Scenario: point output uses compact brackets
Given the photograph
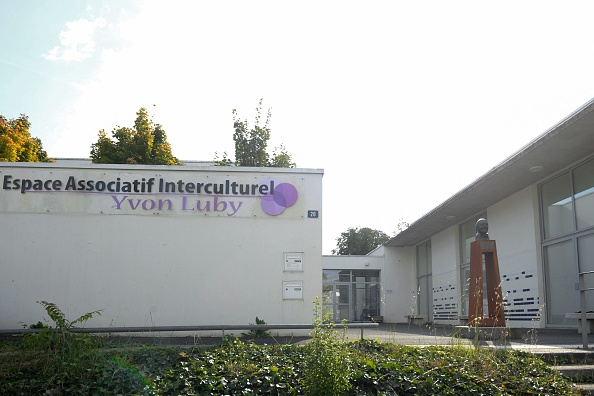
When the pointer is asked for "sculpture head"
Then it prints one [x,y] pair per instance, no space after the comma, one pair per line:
[482,229]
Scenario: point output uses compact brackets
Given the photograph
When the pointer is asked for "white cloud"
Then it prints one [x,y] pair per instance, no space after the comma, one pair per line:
[77,41]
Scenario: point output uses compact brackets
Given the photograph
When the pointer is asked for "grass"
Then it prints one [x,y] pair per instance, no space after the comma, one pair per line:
[238,368]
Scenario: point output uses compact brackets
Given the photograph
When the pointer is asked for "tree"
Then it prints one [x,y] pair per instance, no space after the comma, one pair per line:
[17,144]
[251,144]
[145,143]
[359,241]
[402,225]
[281,158]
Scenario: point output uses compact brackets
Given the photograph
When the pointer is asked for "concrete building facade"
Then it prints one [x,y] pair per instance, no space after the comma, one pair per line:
[159,245]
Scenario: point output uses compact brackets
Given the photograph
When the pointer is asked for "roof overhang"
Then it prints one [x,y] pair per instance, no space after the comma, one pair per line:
[562,145]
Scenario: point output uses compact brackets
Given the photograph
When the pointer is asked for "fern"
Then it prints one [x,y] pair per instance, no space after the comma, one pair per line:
[59,318]
[55,314]
[85,317]
[65,354]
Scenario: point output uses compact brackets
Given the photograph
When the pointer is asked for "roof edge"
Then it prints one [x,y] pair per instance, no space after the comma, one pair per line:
[576,115]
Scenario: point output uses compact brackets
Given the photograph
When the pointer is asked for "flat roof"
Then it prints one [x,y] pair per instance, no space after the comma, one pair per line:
[568,141]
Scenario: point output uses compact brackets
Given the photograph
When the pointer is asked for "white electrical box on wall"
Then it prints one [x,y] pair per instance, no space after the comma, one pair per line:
[294,262]
[293,290]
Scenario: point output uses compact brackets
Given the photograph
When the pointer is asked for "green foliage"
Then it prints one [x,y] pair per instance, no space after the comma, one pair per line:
[387,369]
[327,365]
[61,354]
[359,241]
[281,158]
[402,225]
[145,143]
[17,144]
[37,325]
[59,318]
[251,144]
[328,362]
[257,333]
[225,161]
[236,368]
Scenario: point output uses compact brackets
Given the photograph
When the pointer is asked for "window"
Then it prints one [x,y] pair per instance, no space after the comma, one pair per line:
[562,277]
[557,206]
[583,187]
[568,239]
[467,234]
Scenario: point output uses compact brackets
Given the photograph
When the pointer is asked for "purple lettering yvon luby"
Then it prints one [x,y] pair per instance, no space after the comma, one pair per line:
[275,197]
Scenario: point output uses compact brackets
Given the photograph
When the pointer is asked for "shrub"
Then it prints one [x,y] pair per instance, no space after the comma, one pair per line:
[257,333]
[327,363]
[62,354]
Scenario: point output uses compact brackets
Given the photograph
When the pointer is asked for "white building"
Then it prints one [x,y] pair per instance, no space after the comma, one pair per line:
[159,245]
[540,207]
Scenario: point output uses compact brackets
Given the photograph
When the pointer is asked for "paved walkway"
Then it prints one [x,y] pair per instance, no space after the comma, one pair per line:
[531,340]
[537,340]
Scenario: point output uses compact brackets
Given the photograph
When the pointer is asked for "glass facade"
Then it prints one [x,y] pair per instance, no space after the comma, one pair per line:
[567,205]
[557,206]
[353,295]
[562,282]
[583,186]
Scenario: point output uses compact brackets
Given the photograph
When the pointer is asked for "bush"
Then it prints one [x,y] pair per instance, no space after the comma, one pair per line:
[237,368]
[327,363]
[257,333]
[61,355]
[65,363]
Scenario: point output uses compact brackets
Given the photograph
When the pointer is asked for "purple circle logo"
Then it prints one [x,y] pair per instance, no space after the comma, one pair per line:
[283,196]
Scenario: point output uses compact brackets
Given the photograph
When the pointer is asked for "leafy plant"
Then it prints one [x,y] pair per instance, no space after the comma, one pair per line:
[257,333]
[63,354]
[251,143]
[59,318]
[327,363]
[145,143]
[237,368]
[17,144]
[61,339]
[37,325]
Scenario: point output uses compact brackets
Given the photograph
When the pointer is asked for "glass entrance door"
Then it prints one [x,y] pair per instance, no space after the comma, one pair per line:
[353,295]
[337,301]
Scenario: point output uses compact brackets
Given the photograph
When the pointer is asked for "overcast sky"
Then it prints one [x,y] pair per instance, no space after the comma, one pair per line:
[402,103]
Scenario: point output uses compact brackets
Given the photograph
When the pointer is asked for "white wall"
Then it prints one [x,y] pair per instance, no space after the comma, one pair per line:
[399,283]
[447,292]
[353,262]
[155,267]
